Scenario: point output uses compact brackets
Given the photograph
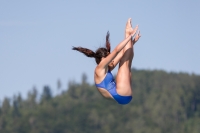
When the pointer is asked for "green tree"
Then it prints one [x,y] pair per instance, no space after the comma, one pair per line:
[46,95]
[6,105]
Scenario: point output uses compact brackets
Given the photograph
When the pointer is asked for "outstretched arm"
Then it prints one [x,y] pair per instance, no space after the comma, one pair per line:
[119,56]
[116,60]
[105,62]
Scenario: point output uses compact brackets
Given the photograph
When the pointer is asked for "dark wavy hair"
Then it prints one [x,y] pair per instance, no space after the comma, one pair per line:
[99,53]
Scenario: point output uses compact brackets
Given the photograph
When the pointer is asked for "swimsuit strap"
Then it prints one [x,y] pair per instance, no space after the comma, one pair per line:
[105,82]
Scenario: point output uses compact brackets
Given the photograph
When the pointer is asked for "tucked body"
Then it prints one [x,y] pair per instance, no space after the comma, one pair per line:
[120,89]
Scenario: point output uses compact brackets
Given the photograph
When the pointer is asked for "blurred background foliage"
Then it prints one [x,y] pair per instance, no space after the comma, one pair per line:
[162,103]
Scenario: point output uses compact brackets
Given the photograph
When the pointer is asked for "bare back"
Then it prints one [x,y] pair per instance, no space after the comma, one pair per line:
[99,76]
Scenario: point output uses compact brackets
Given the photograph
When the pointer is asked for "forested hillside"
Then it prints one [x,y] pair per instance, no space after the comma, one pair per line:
[162,103]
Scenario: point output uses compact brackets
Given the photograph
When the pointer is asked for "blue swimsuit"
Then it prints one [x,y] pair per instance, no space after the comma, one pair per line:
[109,84]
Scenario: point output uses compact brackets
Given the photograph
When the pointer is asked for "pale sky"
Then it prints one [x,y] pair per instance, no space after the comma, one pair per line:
[36,38]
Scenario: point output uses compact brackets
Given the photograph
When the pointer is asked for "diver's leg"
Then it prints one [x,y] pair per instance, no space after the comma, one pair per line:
[123,78]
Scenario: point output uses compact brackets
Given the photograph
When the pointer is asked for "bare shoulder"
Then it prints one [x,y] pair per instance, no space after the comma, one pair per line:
[99,73]
[97,70]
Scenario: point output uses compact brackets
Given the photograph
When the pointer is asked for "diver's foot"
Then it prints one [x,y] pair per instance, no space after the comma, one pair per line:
[128,28]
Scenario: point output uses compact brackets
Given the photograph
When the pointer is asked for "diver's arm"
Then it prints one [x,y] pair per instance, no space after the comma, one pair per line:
[104,63]
[116,60]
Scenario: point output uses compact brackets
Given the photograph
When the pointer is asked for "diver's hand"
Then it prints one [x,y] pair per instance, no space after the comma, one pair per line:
[137,37]
[133,31]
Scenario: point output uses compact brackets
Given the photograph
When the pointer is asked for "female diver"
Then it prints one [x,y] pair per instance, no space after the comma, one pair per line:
[106,61]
